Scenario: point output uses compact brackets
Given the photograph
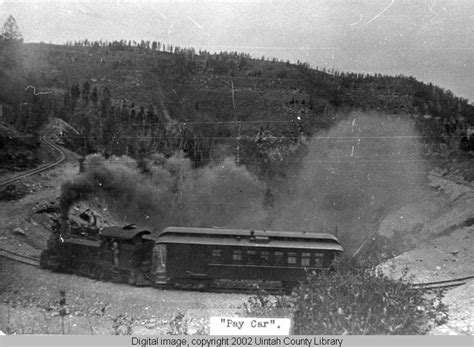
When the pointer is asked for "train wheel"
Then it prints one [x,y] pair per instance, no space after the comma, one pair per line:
[141,279]
[44,259]
[288,286]
[203,285]
[174,283]
[98,273]
[84,269]
[132,278]
[115,276]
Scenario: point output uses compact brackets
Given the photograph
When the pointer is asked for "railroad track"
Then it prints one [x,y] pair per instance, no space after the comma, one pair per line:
[445,284]
[453,178]
[62,156]
[33,261]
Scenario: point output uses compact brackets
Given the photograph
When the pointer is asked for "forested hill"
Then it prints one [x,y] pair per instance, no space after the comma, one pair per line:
[140,98]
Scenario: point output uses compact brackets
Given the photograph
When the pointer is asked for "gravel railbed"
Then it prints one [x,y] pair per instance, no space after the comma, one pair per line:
[29,303]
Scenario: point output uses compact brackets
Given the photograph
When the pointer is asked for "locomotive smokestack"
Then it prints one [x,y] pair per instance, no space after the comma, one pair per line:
[72,191]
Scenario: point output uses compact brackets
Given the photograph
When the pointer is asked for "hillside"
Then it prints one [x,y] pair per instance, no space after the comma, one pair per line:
[201,103]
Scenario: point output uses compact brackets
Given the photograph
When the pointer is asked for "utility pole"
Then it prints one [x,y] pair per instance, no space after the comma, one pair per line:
[237,121]
[238,142]
[233,96]
[179,196]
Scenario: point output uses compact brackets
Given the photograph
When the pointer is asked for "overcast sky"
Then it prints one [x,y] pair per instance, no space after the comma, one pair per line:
[432,40]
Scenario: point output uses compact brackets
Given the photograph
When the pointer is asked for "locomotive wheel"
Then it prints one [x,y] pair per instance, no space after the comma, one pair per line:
[132,278]
[204,285]
[48,260]
[44,259]
[116,276]
[98,273]
[174,283]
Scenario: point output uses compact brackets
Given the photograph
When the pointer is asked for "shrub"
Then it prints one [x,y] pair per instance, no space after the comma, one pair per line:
[262,304]
[122,325]
[359,300]
[178,325]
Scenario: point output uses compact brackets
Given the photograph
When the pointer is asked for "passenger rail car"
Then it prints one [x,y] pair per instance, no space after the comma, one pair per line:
[203,255]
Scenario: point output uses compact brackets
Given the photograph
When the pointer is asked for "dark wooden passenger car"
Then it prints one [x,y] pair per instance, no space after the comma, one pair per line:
[114,253]
[203,255]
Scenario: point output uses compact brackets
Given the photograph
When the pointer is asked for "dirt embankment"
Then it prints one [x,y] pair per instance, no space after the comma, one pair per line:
[441,230]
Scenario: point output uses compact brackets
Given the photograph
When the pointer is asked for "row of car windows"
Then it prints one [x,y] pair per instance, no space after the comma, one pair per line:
[251,256]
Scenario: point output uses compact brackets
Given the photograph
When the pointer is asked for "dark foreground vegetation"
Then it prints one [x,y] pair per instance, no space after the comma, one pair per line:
[356,300]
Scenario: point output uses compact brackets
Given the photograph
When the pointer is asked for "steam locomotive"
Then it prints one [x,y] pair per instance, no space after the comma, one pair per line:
[190,257]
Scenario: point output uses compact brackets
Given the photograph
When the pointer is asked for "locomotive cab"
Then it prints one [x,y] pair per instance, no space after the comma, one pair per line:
[118,254]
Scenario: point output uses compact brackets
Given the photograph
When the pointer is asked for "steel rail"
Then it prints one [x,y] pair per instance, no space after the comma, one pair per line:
[33,261]
[453,282]
[62,157]
[444,284]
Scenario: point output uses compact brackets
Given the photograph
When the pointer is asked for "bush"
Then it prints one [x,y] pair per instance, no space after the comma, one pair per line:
[122,325]
[262,304]
[359,300]
[178,325]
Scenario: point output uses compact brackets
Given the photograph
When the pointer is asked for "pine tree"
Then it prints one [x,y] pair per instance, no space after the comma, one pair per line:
[75,94]
[10,31]
[94,96]
[11,65]
[9,44]
[85,92]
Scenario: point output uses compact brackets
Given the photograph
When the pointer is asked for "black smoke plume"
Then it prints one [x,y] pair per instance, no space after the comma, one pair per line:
[351,176]
[167,191]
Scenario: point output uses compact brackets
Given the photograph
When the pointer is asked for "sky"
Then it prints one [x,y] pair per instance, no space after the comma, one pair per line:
[432,40]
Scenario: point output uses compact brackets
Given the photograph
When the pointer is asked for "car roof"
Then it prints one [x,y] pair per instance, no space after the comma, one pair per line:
[83,242]
[249,232]
[250,243]
[122,233]
[242,237]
